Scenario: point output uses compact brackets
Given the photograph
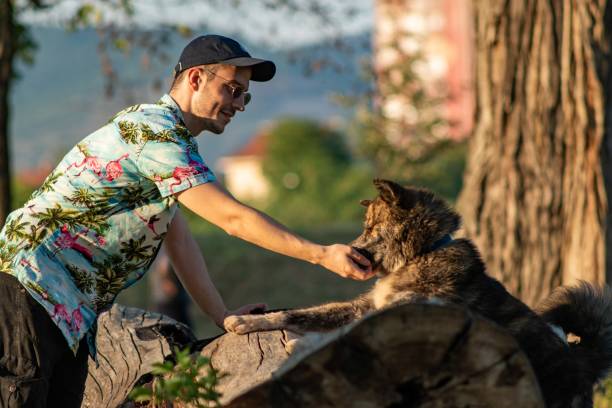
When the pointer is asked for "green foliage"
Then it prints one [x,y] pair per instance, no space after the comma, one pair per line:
[312,174]
[603,394]
[399,127]
[88,14]
[399,119]
[183,381]
[83,16]
[441,170]
[25,46]
[420,157]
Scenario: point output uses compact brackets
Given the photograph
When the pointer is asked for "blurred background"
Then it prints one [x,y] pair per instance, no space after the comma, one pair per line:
[499,106]
[305,150]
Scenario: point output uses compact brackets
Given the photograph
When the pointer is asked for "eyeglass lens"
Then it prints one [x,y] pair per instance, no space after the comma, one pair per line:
[237,92]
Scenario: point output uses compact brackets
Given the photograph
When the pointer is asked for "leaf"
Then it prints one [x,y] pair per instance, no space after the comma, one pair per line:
[121,44]
[184,30]
[82,17]
[141,394]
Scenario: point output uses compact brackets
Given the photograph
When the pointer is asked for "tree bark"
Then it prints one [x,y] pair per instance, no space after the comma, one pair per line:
[128,342]
[411,355]
[7,53]
[534,197]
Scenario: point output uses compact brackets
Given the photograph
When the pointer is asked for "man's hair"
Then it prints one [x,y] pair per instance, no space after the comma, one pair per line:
[209,69]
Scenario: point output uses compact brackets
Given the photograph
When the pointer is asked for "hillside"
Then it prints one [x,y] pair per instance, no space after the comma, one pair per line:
[59,99]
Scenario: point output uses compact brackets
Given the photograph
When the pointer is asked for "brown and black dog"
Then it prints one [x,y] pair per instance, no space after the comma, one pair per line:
[407,238]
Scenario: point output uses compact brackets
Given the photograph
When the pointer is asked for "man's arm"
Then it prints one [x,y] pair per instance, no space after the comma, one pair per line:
[190,267]
[213,203]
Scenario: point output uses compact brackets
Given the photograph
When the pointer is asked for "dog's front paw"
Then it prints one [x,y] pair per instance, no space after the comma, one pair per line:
[243,324]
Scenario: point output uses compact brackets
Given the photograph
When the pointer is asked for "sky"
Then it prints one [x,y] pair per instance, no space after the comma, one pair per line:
[251,20]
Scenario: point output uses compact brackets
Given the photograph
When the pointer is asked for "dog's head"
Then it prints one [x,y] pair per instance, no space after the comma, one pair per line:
[402,223]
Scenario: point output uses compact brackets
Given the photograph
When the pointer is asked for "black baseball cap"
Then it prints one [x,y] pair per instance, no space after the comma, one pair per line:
[216,49]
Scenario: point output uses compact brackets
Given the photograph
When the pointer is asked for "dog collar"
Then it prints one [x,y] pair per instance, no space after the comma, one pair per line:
[447,239]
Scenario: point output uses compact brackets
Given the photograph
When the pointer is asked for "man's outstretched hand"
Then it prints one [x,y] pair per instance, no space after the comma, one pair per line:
[347,262]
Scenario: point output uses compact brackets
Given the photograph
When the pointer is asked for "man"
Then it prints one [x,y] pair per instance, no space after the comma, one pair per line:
[96,224]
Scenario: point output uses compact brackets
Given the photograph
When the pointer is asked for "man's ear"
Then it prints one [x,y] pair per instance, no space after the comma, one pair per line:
[389,191]
[195,78]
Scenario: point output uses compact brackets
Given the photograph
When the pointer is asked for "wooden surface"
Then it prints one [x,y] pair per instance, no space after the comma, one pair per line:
[417,355]
[129,342]
[413,355]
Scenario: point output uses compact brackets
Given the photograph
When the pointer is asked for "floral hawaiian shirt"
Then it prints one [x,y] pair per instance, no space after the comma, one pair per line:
[96,224]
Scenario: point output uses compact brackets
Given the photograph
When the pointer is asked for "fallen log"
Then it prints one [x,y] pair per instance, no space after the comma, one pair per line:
[128,342]
[416,355]
[412,355]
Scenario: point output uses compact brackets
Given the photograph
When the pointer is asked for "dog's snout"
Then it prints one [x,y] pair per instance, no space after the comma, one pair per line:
[365,253]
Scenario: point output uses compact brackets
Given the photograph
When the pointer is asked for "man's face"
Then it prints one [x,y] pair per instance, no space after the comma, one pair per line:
[214,102]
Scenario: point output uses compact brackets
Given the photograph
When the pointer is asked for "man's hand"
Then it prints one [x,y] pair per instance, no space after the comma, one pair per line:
[346,262]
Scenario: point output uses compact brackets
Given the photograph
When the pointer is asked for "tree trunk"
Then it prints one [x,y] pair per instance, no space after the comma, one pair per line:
[7,53]
[534,196]
[411,355]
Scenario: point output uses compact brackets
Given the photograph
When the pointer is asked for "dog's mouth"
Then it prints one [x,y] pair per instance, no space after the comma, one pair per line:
[370,257]
[365,253]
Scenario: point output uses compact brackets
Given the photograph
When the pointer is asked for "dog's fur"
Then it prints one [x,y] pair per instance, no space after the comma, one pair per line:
[404,239]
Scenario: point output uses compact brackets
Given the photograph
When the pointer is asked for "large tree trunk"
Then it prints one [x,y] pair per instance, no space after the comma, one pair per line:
[534,196]
[7,52]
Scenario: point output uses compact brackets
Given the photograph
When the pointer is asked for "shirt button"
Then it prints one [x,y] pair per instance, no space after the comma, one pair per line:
[12,388]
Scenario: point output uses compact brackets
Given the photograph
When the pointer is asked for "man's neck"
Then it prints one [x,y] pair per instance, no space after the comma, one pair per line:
[192,123]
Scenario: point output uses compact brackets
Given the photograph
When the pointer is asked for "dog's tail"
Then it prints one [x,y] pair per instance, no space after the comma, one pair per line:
[586,312]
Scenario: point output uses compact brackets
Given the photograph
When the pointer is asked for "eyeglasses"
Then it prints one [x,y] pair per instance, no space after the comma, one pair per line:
[236,90]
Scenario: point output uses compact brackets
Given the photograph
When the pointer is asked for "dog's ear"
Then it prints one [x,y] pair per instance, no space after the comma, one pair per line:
[389,191]
[365,203]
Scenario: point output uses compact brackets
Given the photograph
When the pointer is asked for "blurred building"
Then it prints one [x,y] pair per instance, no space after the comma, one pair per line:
[438,33]
[242,169]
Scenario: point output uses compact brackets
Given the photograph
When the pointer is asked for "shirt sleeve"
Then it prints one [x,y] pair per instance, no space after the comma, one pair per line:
[173,166]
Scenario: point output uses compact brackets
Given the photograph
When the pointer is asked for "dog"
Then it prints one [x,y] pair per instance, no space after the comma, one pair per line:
[407,238]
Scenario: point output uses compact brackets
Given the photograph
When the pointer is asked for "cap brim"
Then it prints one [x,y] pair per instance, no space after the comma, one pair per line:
[262,70]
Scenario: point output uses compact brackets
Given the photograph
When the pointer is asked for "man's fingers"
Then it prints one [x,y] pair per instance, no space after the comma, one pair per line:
[359,273]
[258,308]
[254,308]
[359,258]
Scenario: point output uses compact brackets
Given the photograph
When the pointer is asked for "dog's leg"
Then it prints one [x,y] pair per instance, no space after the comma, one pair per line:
[406,297]
[317,318]
[243,324]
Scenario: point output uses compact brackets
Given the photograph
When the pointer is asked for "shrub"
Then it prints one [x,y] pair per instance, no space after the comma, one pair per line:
[187,380]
